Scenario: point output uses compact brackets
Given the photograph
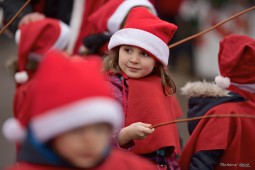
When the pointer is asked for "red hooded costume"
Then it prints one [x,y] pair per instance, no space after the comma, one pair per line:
[224,143]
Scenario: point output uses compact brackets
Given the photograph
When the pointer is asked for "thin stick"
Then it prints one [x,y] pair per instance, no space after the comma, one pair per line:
[206,117]
[14,17]
[211,28]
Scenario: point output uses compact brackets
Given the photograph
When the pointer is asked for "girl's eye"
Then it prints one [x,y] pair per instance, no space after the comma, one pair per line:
[144,54]
[128,50]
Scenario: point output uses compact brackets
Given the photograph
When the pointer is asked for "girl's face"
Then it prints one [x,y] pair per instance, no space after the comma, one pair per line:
[135,62]
[83,147]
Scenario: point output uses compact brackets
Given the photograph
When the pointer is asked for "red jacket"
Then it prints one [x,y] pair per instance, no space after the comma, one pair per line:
[117,160]
[233,135]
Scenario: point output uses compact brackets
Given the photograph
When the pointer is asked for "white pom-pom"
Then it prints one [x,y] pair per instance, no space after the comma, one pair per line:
[21,77]
[13,130]
[223,82]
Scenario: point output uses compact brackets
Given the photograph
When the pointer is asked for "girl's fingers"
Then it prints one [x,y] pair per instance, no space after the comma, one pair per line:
[147,130]
[146,125]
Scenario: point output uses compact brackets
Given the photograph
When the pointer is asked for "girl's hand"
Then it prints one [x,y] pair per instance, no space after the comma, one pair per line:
[134,131]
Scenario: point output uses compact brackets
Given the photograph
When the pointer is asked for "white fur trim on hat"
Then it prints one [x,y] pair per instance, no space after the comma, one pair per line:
[142,39]
[223,82]
[80,113]
[21,77]
[64,37]
[121,12]
[13,130]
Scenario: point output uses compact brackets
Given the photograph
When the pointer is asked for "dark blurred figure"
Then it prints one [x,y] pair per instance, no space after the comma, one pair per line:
[72,12]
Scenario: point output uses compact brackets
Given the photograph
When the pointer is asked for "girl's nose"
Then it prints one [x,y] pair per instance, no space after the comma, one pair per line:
[134,59]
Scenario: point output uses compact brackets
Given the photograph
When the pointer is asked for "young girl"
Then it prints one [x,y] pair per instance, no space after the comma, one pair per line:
[137,69]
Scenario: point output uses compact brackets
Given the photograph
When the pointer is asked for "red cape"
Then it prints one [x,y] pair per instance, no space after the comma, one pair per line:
[234,135]
[121,160]
[147,103]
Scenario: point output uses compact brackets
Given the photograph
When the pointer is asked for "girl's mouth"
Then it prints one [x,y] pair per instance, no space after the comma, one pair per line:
[133,68]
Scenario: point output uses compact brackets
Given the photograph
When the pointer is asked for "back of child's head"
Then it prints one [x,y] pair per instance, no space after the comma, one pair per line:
[236,62]
[148,32]
[34,40]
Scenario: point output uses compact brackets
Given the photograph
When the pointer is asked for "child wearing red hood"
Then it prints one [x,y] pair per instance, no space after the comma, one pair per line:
[34,40]
[137,69]
[70,120]
[224,143]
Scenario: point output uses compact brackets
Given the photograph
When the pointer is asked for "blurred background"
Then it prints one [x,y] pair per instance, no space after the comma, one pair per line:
[194,60]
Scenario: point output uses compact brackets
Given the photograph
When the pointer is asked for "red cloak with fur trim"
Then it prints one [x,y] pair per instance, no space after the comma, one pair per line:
[117,160]
[147,103]
[233,135]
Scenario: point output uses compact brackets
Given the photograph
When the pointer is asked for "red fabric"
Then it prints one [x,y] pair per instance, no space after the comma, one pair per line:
[147,103]
[87,27]
[19,98]
[237,58]
[117,160]
[36,37]
[150,23]
[100,17]
[176,107]
[73,69]
[168,8]
[234,135]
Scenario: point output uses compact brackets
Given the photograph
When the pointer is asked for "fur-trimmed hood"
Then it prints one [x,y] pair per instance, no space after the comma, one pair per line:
[203,89]
[204,96]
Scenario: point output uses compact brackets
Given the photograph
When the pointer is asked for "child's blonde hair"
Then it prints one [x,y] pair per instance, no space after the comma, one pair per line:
[111,65]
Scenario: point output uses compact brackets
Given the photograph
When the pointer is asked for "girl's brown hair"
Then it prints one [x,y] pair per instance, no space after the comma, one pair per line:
[111,64]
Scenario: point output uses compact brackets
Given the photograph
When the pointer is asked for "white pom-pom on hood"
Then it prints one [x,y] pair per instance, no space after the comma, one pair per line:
[13,130]
[21,77]
[223,82]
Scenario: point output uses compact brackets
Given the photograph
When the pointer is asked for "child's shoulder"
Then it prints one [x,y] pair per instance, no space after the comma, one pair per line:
[113,77]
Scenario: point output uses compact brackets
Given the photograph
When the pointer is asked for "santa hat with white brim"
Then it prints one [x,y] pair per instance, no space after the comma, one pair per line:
[144,30]
[111,15]
[37,38]
[237,62]
[79,96]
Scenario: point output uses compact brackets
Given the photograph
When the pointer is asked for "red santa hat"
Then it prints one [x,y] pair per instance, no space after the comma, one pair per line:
[111,15]
[236,61]
[37,38]
[146,31]
[67,93]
